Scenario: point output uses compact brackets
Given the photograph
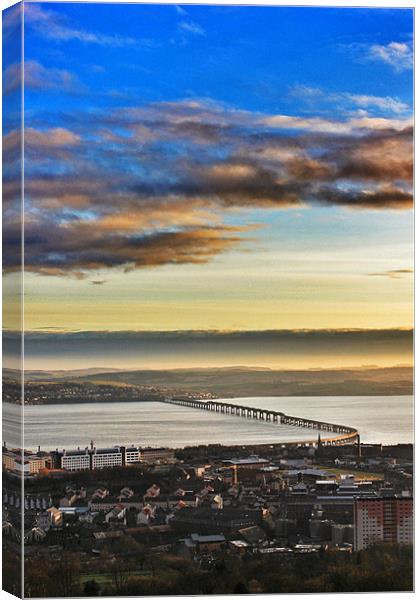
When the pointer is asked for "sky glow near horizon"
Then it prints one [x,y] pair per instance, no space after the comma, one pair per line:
[214,168]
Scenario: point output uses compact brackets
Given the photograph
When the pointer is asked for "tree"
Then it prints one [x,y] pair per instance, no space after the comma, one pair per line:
[240,588]
[64,575]
[92,588]
[120,574]
[36,580]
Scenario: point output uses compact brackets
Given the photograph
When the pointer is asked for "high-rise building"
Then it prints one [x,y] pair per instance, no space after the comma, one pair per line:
[383,520]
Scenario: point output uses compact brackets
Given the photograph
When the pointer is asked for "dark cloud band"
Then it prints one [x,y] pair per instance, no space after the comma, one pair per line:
[240,344]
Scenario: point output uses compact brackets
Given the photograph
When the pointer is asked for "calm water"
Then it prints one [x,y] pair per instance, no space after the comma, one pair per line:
[386,419]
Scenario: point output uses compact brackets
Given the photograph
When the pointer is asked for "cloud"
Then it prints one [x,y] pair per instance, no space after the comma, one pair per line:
[191,27]
[398,55]
[347,102]
[12,18]
[165,183]
[386,157]
[53,143]
[75,249]
[53,26]
[306,91]
[12,78]
[394,274]
[378,199]
[38,77]
[56,136]
[383,102]
[321,125]
[180,10]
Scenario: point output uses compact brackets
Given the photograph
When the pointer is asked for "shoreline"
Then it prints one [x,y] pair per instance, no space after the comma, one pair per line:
[224,397]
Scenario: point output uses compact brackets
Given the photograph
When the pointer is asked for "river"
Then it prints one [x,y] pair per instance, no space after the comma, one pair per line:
[385,419]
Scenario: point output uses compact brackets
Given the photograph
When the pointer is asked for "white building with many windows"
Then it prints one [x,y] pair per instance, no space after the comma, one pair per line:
[105,458]
[75,460]
[132,455]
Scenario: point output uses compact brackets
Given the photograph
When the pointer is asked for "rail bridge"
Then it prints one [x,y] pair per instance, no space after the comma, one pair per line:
[342,433]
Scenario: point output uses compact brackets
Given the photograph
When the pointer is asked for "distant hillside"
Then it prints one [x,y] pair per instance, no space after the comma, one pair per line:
[61,375]
[245,381]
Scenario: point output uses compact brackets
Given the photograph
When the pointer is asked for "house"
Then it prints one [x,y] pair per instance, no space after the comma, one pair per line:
[146,515]
[115,514]
[56,516]
[43,521]
[100,494]
[126,493]
[203,544]
[153,491]
[254,535]
[35,535]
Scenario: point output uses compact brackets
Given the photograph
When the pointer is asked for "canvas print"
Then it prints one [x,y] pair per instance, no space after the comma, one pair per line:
[207,299]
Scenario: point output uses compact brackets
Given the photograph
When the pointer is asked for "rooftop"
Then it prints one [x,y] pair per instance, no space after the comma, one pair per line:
[252,460]
[206,539]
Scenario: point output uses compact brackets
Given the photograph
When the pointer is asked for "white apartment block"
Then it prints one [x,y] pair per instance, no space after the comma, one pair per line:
[132,455]
[106,458]
[75,461]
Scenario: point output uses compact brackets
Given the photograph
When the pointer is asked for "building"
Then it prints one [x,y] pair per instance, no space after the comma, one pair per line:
[24,462]
[56,516]
[132,455]
[75,460]
[37,463]
[9,458]
[198,544]
[206,520]
[388,520]
[105,458]
[151,455]
[93,458]
[320,528]
[21,466]
[341,534]
[252,462]
[82,459]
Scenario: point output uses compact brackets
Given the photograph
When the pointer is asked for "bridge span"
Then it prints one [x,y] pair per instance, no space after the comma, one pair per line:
[343,433]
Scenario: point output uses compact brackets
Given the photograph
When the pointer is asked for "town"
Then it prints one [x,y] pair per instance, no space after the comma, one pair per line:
[70,392]
[133,519]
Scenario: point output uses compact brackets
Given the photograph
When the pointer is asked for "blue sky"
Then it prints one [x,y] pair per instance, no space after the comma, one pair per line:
[250,57]
[202,167]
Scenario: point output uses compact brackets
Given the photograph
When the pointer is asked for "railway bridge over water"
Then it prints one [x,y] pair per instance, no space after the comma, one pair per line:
[342,434]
